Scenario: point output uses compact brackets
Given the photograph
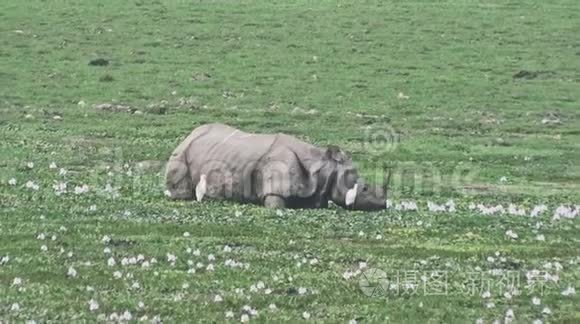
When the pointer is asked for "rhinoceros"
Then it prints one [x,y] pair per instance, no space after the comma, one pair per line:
[275,170]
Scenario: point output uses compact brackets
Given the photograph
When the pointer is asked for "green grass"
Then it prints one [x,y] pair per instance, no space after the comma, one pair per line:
[466,117]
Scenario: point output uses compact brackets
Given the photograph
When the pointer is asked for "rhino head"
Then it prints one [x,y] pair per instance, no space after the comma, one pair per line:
[349,190]
[178,180]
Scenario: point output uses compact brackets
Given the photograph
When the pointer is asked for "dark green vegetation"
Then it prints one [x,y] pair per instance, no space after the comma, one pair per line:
[490,87]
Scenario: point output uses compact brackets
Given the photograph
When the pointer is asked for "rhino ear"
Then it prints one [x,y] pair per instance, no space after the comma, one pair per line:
[175,171]
[335,153]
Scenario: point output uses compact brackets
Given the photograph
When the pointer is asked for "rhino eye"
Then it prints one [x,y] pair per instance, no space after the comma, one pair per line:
[365,189]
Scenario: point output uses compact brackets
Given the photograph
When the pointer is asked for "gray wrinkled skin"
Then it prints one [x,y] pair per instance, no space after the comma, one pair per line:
[274,170]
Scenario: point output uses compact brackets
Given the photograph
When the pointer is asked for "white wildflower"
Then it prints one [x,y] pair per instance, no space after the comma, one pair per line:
[260,285]
[81,189]
[509,314]
[347,275]
[171,258]
[32,185]
[433,207]
[93,305]
[546,311]
[306,315]
[114,317]
[126,316]
[71,272]
[538,209]
[548,265]
[570,291]
[12,182]
[111,262]
[450,206]
[511,234]
[4,259]
[515,210]
[565,211]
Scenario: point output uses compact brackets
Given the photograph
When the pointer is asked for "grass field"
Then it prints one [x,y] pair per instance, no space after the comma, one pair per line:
[474,102]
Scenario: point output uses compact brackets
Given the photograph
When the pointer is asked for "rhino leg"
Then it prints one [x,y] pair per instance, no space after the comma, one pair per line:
[272,201]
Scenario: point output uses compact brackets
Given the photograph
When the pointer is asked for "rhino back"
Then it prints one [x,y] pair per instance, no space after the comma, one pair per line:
[229,158]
